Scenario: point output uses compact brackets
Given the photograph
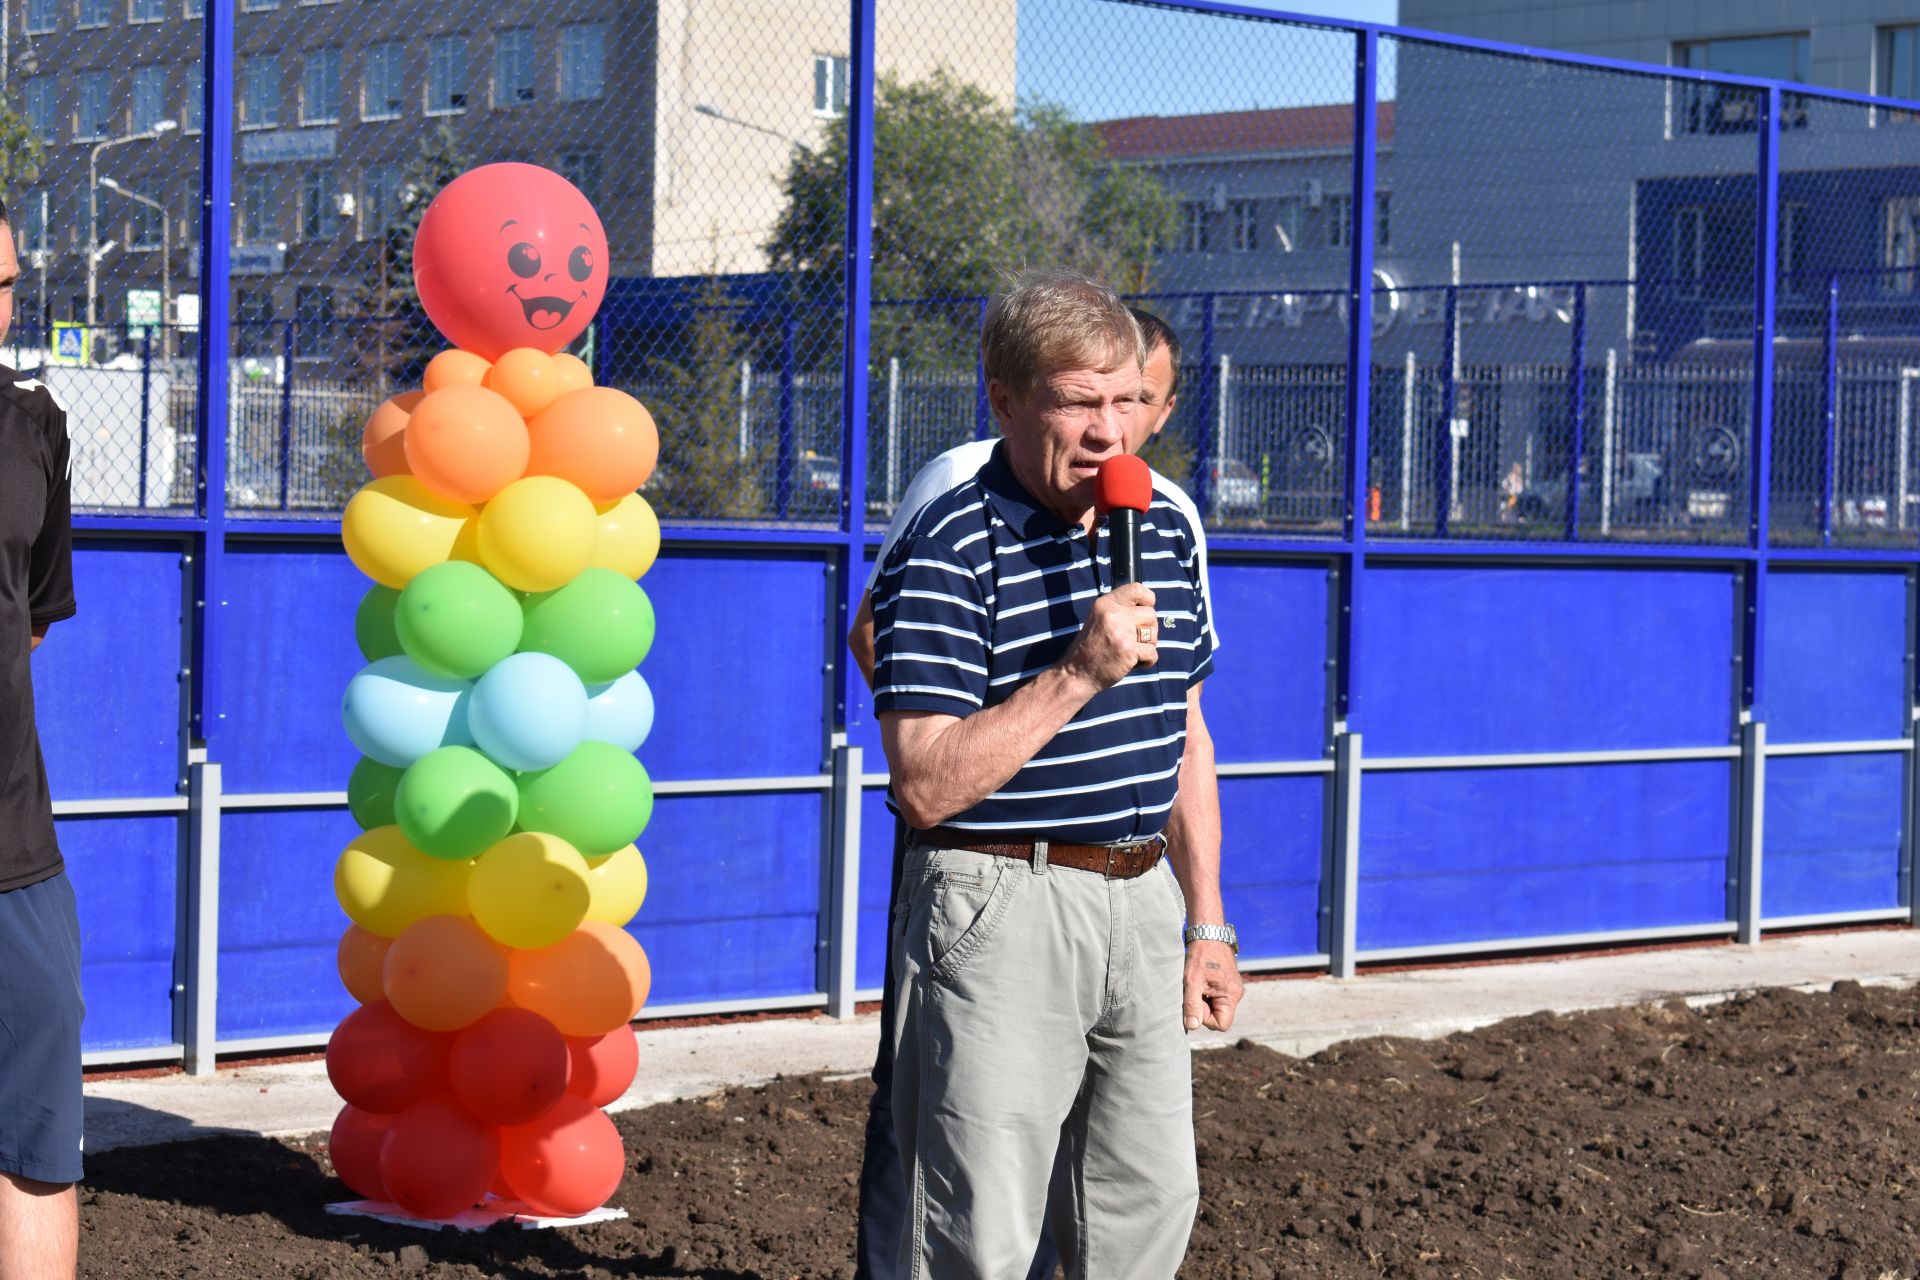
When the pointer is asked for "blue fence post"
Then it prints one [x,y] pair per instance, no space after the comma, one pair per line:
[1443,450]
[146,406]
[1204,413]
[783,456]
[1576,411]
[286,411]
[1829,406]
[982,407]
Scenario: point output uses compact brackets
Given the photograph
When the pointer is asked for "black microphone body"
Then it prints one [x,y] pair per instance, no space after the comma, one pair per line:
[1123,545]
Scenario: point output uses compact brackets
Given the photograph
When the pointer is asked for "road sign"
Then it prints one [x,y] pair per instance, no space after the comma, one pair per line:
[71,343]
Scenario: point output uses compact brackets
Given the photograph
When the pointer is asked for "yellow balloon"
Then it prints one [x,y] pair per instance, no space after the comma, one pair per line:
[537,534]
[629,537]
[385,884]
[395,527]
[619,885]
[529,890]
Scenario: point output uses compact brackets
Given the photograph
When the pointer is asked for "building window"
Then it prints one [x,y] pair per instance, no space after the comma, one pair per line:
[144,227]
[252,6]
[320,87]
[1898,70]
[312,319]
[829,84]
[316,204]
[95,118]
[42,16]
[149,97]
[379,199]
[1243,226]
[1715,108]
[1194,237]
[582,169]
[196,104]
[253,322]
[43,107]
[382,97]
[1339,222]
[583,61]
[1902,252]
[1286,225]
[30,230]
[149,10]
[259,223]
[96,13]
[513,68]
[260,92]
[1382,220]
[446,75]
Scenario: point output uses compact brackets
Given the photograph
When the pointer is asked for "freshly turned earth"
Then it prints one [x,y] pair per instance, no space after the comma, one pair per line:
[1774,1136]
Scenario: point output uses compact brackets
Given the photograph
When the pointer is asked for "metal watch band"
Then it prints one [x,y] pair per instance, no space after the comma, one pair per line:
[1214,933]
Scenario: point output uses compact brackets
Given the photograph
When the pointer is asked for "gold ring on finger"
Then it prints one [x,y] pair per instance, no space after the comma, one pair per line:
[1145,632]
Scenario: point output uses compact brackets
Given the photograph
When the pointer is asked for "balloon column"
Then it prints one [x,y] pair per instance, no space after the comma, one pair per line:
[497,717]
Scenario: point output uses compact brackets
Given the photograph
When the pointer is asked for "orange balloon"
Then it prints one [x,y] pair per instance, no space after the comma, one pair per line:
[466,443]
[383,443]
[443,973]
[361,957]
[591,981]
[566,1163]
[601,440]
[527,377]
[453,368]
[571,372]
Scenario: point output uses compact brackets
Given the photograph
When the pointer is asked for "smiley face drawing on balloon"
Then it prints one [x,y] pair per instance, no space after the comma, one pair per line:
[510,255]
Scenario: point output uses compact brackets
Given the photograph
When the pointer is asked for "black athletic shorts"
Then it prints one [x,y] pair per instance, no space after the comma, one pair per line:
[40,1012]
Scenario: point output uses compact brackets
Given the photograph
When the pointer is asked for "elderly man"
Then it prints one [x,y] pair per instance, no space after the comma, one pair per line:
[1035,717]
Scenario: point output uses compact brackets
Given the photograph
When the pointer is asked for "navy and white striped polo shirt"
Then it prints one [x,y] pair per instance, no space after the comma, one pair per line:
[988,589]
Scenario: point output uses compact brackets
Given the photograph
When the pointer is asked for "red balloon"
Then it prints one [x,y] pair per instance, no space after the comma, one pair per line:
[437,1160]
[378,1061]
[354,1147]
[510,1067]
[603,1066]
[510,255]
[567,1162]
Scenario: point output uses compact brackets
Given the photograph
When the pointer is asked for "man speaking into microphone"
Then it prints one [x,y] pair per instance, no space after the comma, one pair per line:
[1034,710]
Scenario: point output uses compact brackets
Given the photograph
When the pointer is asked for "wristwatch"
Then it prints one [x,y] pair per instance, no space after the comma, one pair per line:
[1214,933]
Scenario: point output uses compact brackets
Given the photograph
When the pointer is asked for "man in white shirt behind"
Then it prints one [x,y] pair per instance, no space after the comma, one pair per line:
[882,1189]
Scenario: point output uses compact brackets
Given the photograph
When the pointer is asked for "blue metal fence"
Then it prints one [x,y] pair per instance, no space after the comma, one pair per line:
[1602,631]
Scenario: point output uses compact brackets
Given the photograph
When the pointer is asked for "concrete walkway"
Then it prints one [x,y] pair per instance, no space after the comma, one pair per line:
[1298,1017]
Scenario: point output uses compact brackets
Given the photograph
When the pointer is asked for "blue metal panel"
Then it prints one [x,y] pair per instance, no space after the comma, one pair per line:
[124,872]
[106,685]
[279,922]
[1464,660]
[733,896]
[1267,698]
[1477,855]
[1836,654]
[1832,834]
[1270,865]
[876,884]
[290,654]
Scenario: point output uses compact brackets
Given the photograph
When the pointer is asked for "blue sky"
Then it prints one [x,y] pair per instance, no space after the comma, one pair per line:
[1105,59]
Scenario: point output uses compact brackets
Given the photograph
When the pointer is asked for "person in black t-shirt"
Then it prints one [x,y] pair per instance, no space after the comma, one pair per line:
[40,1004]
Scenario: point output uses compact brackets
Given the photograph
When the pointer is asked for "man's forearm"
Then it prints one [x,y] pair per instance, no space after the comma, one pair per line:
[1193,827]
[944,768]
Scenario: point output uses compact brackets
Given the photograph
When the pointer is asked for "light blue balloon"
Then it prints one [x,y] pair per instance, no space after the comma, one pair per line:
[396,711]
[620,712]
[529,711]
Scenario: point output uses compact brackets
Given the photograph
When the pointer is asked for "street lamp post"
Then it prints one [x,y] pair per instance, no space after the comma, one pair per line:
[166,256]
[159,128]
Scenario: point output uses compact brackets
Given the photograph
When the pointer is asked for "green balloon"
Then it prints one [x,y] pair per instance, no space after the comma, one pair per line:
[599,799]
[454,802]
[600,624]
[373,624]
[456,619]
[370,793]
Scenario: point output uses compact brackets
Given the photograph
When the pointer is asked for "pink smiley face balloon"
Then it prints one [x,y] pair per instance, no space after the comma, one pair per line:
[510,255]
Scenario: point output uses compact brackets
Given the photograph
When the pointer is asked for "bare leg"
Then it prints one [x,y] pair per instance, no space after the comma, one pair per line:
[39,1229]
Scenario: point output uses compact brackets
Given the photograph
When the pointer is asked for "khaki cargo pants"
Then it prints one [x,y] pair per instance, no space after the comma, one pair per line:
[1038,1008]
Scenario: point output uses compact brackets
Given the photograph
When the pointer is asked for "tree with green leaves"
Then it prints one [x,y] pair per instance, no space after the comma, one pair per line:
[395,344]
[967,190]
[706,471]
[21,151]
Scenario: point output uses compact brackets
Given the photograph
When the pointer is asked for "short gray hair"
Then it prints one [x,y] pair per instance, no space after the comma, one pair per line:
[1052,320]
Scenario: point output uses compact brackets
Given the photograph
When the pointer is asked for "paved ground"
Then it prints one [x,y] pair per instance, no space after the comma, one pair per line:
[1297,1017]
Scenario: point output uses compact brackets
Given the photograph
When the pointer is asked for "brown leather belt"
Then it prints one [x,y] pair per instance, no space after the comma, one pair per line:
[1115,862]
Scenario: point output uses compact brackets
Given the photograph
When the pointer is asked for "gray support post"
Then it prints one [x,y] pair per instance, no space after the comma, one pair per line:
[843,907]
[202,940]
[1341,941]
[1753,807]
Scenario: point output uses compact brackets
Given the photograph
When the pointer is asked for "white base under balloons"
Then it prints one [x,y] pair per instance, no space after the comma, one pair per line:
[478,1218]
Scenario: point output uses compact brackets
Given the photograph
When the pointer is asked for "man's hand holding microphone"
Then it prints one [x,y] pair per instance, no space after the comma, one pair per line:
[1121,632]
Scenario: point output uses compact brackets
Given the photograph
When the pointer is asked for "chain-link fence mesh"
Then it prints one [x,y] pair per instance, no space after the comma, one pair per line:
[1564,255]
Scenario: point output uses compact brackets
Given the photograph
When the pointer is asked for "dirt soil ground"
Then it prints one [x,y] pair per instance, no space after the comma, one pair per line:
[1773,1136]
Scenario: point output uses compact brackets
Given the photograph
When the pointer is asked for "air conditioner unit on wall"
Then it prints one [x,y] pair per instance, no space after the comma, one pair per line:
[1217,197]
[1314,192]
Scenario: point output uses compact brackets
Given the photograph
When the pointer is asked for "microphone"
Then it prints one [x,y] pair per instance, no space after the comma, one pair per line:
[1123,490]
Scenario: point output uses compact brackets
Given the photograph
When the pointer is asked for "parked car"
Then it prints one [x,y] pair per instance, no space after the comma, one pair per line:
[1235,489]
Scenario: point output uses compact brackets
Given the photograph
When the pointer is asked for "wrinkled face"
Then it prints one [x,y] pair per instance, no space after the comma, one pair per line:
[1059,433]
[510,255]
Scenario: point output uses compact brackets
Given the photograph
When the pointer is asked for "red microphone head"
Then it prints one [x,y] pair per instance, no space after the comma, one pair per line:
[1124,483]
